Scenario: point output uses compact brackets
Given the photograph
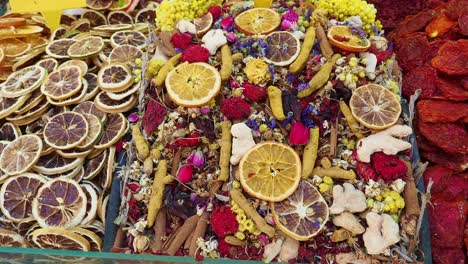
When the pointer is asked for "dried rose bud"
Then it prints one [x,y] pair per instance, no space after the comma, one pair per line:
[185,173]
[299,134]
[196,158]
[140,243]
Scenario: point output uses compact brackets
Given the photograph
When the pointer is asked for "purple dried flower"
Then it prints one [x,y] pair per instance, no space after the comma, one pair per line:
[133,118]
[270,122]
[290,78]
[205,110]
[302,86]
[288,119]
[252,124]
[291,16]
[231,37]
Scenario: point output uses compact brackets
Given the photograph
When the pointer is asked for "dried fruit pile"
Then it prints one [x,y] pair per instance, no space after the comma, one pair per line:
[61,117]
[270,134]
[432,49]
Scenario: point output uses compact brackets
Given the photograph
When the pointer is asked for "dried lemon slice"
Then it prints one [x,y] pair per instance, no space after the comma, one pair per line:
[59,238]
[92,167]
[375,106]
[128,37]
[119,17]
[63,83]
[81,64]
[95,18]
[107,105]
[66,130]
[49,64]
[125,54]
[21,154]
[270,171]
[203,23]
[86,47]
[146,16]
[95,243]
[114,129]
[23,81]
[258,21]
[54,163]
[91,205]
[193,84]
[283,48]
[10,105]
[58,48]
[17,193]
[114,78]
[89,107]
[11,239]
[9,132]
[303,214]
[59,203]
[99,4]
[94,133]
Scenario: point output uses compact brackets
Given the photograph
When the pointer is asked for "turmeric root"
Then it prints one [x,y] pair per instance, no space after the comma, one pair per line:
[352,123]
[155,154]
[276,102]
[148,166]
[170,64]
[310,153]
[157,191]
[226,58]
[335,173]
[250,211]
[321,78]
[237,57]
[301,60]
[142,146]
[225,156]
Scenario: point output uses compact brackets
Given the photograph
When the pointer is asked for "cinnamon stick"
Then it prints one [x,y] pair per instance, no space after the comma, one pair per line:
[410,193]
[200,231]
[333,139]
[325,47]
[175,162]
[182,234]
[188,241]
[119,238]
[171,236]
[160,229]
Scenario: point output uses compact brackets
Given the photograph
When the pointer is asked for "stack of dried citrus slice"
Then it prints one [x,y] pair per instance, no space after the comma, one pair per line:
[61,104]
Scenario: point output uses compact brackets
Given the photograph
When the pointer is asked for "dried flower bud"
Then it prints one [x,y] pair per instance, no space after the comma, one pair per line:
[185,173]
[140,243]
[196,158]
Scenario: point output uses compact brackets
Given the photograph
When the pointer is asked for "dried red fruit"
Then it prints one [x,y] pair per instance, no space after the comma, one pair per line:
[389,167]
[411,51]
[463,21]
[453,161]
[154,115]
[439,26]
[235,108]
[447,221]
[452,89]
[424,78]
[366,171]
[435,111]
[450,137]
[452,58]
[181,40]
[415,23]
[191,140]
[448,255]
[215,12]
[195,53]
[455,7]
[253,92]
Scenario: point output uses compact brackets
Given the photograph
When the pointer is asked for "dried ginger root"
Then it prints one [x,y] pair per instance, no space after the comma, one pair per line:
[301,60]
[226,58]
[276,102]
[225,156]
[157,191]
[321,78]
[164,71]
[142,146]
[310,153]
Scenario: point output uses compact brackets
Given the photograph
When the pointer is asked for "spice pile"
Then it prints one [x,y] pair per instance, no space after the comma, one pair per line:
[432,49]
[270,134]
[62,101]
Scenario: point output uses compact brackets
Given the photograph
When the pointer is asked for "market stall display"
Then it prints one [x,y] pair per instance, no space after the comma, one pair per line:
[250,131]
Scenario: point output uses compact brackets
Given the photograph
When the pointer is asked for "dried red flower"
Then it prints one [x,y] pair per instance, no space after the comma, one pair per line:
[181,40]
[190,140]
[133,209]
[382,166]
[235,108]
[366,171]
[223,221]
[195,53]
[185,173]
[215,12]
[154,115]
[299,134]
[253,92]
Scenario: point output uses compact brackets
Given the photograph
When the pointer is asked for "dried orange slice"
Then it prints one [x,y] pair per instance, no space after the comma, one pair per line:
[49,64]
[114,129]
[66,130]
[12,22]
[343,38]
[95,243]
[2,55]
[128,37]
[59,203]
[26,30]
[303,214]
[193,84]
[86,47]
[9,132]
[374,106]
[119,17]
[54,163]
[146,15]
[106,104]
[10,105]
[283,48]
[258,21]
[59,238]
[90,108]
[91,203]
[99,4]
[17,193]
[114,78]
[63,83]
[203,23]
[13,47]
[270,171]
[80,63]
[21,154]
[58,48]
[23,81]
[11,239]
[94,133]
[95,18]
[125,54]
[92,167]
[35,41]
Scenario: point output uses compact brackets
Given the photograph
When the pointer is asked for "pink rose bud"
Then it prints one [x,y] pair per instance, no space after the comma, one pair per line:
[185,173]
[299,134]
[196,158]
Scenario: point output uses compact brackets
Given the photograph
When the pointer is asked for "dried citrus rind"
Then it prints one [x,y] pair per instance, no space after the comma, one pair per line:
[21,154]
[66,130]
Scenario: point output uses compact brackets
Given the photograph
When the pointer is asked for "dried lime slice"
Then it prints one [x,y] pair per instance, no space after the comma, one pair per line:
[17,193]
[59,238]
[54,163]
[95,18]
[74,99]
[33,100]
[99,4]
[58,33]
[91,205]
[66,130]
[31,115]
[146,15]
[10,238]
[126,54]
[92,167]
[59,203]
[94,133]
[125,93]
[90,108]
[93,88]
[3,144]
[114,129]
[80,63]
[49,64]
[9,132]
[74,153]
[114,78]
[58,48]
[86,47]
[23,81]
[107,105]
[119,17]
[128,37]
[10,105]
[70,174]
[63,83]
[112,28]
[21,154]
